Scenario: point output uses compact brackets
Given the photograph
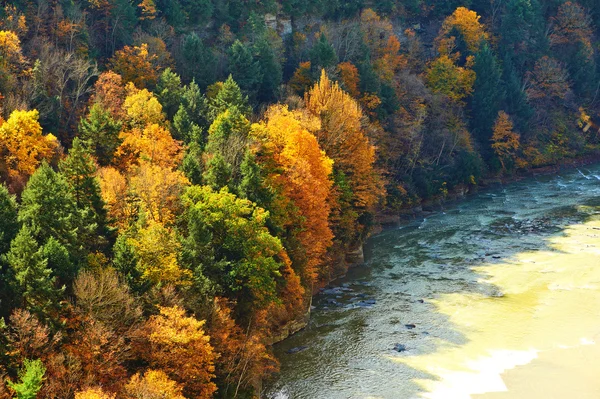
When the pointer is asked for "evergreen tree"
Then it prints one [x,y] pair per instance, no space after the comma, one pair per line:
[516,103]
[100,133]
[80,171]
[322,55]
[487,96]
[252,181]
[35,283]
[31,376]
[199,63]
[218,173]
[228,96]
[9,226]
[270,71]
[244,69]
[189,119]
[59,261]
[169,92]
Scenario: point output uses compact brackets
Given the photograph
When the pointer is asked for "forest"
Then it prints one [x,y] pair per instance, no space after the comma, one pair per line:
[178,177]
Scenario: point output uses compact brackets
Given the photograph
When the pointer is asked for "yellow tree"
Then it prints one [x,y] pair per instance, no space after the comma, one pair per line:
[158,190]
[467,24]
[177,344]
[153,144]
[505,141]
[22,145]
[343,139]
[94,393]
[157,249]
[304,173]
[154,384]
[443,76]
[136,64]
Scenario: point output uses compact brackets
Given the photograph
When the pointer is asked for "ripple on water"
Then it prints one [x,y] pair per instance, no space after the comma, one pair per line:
[504,279]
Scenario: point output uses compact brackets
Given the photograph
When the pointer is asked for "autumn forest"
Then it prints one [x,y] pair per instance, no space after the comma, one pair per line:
[178,177]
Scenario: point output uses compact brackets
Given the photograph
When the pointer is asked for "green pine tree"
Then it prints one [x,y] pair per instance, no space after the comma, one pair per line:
[35,282]
[49,209]
[244,68]
[80,170]
[100,132]
[230,95]
[31,376]
[487,96]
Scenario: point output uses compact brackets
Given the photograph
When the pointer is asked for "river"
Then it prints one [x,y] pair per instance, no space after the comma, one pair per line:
[497,297]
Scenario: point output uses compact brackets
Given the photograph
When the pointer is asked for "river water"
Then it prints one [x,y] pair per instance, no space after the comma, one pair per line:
[497,297]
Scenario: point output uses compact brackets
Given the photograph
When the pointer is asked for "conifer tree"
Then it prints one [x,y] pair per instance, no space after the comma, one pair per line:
[244,68]
[34,281]
[100,133]
[49,209]
[487,95]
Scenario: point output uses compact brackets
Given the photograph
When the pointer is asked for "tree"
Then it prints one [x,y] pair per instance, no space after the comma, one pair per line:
[31,376]
[136,65]
[343,139]
[487,94]
[190,116]
[100,133]
[244,69]
[48,209]
[270,71]
[304,172]
[169,92]
[466,24]
[34,281]
[349,78]
[94,393]
[228,138]
[157,249]
[228,242]
[142,108]
[109,91]
[443,76]
[153,144]
[154,384]
[228,95]
[199,61]
[101,295]
[322,55]
[505,142]
[9,226]
[157,189]
[80,170]
[177,345]
[549,81]
[23,147]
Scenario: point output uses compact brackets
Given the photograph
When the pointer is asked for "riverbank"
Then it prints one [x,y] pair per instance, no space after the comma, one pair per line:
[387,219]
[503,284]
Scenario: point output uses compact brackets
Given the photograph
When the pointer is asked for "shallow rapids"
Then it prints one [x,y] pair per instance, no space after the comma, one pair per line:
[497,297]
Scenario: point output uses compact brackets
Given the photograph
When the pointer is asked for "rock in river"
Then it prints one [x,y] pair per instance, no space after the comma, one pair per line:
[295,350]
[399,348]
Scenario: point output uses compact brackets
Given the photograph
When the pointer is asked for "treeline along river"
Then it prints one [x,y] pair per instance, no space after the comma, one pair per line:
[495,297]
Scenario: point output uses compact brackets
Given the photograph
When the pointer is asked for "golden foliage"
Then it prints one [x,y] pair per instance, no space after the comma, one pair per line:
[342,138]
[155,384]
[443,76]
[94,393]
[22,145]
[158,190]
[505,141]
[468,24]
[153,144]
[178,345]
[305,177]
[157,249]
